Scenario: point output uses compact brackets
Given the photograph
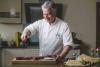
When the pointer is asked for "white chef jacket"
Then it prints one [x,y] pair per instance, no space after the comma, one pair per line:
[52,37]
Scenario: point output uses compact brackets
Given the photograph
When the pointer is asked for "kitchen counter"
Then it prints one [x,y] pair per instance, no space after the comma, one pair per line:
[42,63]
[56,65]
[14,47]
[38,65]
[9,53]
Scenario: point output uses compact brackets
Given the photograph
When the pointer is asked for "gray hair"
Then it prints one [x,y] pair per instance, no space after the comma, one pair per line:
[49,5]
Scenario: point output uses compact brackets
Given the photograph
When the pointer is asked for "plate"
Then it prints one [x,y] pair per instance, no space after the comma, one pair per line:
[75,63]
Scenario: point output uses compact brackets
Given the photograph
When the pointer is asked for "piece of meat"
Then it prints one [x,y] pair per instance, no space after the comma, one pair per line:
[24,58]
[42,57]
[38,57]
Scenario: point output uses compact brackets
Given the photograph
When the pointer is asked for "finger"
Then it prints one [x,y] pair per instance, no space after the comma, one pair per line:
[57,59]
[24,38]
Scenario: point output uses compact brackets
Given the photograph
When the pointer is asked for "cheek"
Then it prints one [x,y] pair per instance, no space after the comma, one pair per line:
[43,16]
[46,17]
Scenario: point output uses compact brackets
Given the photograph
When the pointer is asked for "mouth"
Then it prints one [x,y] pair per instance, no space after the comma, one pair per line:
[48,20]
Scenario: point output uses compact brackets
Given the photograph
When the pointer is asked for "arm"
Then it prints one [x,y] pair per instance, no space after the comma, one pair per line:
[64,52]
[29,30]
[67,43]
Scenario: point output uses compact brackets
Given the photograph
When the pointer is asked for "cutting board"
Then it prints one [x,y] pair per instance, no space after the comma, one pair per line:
[32,61]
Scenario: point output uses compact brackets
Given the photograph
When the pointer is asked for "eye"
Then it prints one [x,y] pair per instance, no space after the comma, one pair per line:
[49,15]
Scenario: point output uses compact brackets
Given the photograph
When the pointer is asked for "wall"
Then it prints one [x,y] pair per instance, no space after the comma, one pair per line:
[98,0]
[80,14]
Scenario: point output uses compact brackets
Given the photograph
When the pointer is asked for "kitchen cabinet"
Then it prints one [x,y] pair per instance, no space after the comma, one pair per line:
[9,53]
[10,11]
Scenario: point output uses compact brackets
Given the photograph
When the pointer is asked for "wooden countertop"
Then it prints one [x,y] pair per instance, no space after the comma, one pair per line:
[35,63]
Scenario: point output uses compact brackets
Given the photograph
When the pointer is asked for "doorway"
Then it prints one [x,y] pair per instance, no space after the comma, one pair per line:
[97,24]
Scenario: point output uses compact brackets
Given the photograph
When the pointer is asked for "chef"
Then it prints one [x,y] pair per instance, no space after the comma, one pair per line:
[54,34]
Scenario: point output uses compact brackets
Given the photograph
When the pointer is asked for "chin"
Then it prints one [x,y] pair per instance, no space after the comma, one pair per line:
[48,21]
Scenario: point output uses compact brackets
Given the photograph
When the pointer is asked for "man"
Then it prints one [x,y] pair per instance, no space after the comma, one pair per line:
[54,35]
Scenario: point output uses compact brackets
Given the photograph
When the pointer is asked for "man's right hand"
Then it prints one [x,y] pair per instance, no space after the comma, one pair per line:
[24,37]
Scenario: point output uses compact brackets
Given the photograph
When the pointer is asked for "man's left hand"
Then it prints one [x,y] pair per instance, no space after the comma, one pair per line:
[59,59]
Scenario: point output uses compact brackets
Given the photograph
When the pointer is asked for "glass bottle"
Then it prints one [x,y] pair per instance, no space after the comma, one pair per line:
[92,52]
[97,52]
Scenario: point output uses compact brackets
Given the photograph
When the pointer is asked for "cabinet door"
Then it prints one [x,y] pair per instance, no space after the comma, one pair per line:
[98,24]
[9,54]
[31,52]
[10,11]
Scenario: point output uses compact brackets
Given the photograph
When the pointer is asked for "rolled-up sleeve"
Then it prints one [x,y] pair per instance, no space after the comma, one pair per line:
[67,37]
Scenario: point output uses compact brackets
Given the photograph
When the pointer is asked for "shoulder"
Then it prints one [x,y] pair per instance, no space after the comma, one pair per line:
[38,22]
[62,22]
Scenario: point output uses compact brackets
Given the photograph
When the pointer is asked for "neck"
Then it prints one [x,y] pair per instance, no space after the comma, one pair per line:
[52,20]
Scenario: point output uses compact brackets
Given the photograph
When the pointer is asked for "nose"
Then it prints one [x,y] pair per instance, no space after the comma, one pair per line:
[46,16]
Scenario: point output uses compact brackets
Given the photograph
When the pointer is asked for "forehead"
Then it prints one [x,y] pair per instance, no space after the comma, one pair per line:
[45,10]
